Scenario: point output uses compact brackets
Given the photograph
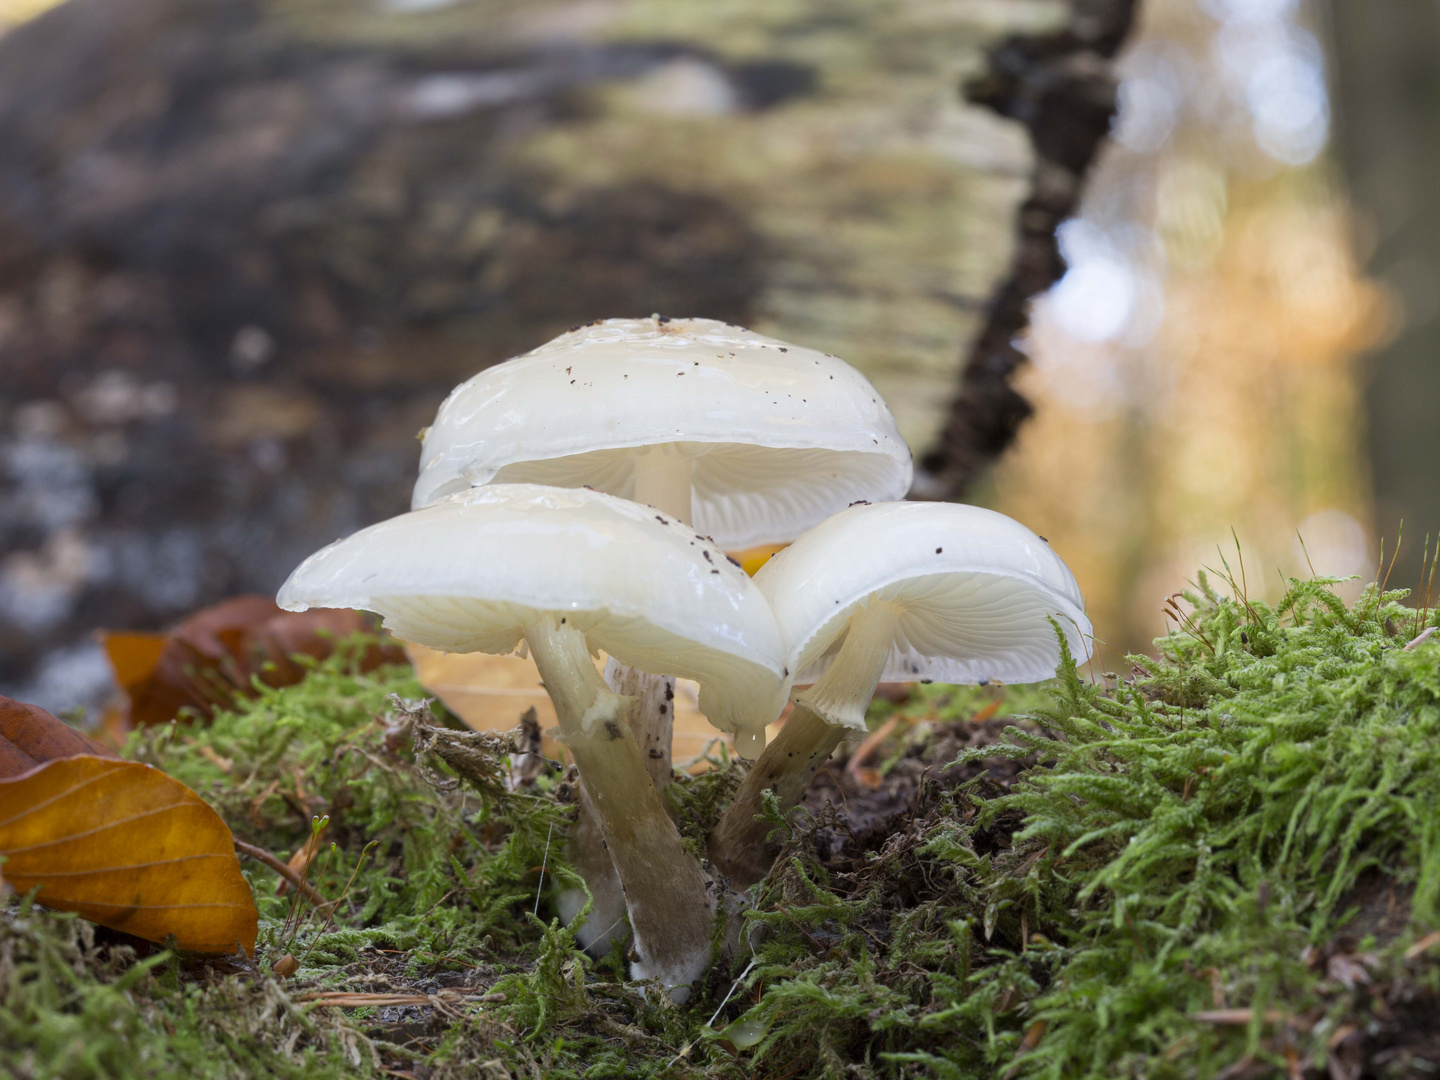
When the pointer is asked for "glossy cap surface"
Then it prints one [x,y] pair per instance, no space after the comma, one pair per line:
[469,573]
[780,436]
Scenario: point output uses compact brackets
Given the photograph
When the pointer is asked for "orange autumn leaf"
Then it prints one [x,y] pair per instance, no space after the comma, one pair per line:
[129,848]
[213,655]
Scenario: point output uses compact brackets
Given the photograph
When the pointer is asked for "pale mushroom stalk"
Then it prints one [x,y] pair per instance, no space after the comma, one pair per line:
[663,477]
[670,907]
[653,718]
[652,722]
[822,716]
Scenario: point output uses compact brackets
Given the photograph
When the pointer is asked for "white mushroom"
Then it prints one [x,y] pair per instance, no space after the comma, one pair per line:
[750,439]
[745,437]
[567,572]
[898,591]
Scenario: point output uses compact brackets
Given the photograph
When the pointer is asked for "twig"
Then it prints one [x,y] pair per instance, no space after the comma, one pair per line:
[871,743]
[544,859]
[1238,1017]
[1031,1040]
[344,999]
[1420,639]
[1423,945]
[262,856]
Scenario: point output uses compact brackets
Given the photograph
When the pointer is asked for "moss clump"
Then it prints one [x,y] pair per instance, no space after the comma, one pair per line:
[1225,860]
[73,1006]
[1166,891]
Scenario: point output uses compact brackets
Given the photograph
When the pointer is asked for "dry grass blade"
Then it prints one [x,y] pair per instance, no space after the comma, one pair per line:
[1423,946]
[127,847]
[344,999]
[866,750]
[1420,639]
[1238,1017]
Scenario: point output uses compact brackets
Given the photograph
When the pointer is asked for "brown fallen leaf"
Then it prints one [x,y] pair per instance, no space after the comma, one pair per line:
[214,654]
[127,847]
[29,735]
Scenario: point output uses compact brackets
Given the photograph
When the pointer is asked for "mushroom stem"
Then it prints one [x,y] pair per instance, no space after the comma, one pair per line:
[822,714]
[662,480]
[651,722]
[666,893]
[653,718]
[663,473]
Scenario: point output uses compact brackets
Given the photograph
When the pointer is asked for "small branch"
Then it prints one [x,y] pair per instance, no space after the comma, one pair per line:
[1420,639]
[867,748]
[1239,1017]
[261,855]
[346,1000]
[1423,945]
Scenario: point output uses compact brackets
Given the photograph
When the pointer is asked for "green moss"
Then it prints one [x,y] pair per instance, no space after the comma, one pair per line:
[1180,843]
[1247,823]
[74,1008]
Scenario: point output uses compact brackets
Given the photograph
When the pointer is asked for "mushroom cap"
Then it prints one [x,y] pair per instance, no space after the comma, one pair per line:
[781,436]
[976,589]
[469,573]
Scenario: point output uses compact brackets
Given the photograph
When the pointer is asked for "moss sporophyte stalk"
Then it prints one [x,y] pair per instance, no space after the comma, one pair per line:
[1226,858]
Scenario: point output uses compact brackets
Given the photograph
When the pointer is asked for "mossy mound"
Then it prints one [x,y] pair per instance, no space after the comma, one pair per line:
[1222,863]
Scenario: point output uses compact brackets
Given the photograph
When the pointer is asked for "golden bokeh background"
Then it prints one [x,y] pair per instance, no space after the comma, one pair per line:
[1229,406]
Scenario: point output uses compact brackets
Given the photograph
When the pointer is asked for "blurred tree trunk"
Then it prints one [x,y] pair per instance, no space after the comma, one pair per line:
[1387,93]
[246,247]
[1060,86]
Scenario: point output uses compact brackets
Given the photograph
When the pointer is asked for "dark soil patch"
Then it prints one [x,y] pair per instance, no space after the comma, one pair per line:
[1382,909]
[870,807]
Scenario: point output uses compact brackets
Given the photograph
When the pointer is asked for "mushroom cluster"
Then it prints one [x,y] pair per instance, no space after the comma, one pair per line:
[580,498]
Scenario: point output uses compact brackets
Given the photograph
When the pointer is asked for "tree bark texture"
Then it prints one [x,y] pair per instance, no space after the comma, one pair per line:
[246,248]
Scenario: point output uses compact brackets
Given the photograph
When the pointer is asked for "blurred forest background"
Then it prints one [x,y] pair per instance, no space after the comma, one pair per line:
[246,247]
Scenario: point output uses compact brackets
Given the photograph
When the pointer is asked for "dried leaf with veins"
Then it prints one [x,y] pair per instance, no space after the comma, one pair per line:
[127,847]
